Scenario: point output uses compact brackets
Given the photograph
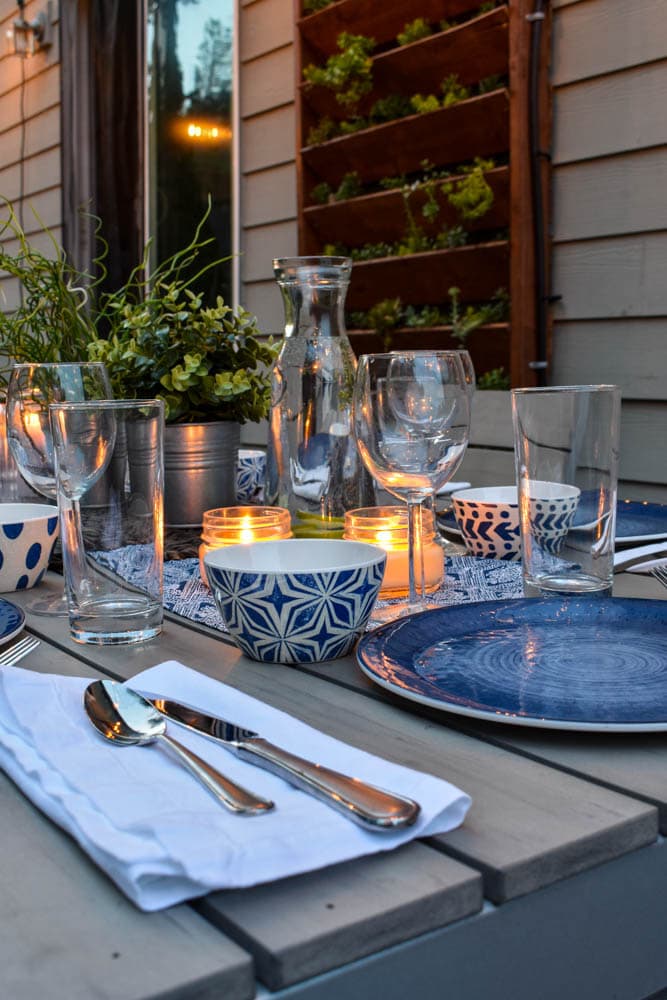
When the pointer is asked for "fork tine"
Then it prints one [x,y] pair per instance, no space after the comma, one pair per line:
[660,573]
[18,651]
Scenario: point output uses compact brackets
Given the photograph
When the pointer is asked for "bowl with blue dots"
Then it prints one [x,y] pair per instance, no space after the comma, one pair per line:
[28,533]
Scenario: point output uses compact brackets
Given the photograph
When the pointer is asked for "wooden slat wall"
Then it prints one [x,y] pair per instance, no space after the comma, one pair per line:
[38,136]
[610,217]
[267,142]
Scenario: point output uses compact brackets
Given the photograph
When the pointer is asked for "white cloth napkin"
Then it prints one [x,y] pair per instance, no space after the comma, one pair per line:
[153,828]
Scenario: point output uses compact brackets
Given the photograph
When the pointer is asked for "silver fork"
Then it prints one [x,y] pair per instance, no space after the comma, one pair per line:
[660,573]
[18,651]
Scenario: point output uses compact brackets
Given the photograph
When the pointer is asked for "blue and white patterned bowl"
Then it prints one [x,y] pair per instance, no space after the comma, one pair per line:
[250,475]
[297,600]
[28,532]
[552,509]
[488,518]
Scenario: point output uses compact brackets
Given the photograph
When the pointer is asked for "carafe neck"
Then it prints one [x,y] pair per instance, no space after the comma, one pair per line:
[313,291]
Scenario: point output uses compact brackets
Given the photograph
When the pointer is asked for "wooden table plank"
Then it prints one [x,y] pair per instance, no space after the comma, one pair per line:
[69,934]
[304,926]
[522,811]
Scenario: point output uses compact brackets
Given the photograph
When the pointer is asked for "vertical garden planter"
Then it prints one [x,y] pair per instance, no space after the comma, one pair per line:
[492,123]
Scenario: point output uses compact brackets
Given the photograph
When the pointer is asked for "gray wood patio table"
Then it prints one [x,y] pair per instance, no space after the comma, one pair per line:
[555,885]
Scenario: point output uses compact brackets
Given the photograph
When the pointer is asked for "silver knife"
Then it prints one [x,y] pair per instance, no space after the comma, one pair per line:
[370,807]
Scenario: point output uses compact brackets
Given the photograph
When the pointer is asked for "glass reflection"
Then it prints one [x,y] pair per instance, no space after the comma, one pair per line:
[190,68]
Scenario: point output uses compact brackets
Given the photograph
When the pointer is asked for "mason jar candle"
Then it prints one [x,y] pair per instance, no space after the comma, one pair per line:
[241,526]
[388,528]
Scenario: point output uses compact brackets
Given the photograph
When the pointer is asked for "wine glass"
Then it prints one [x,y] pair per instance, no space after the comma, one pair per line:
[411,422]
[443,505]
[31,390]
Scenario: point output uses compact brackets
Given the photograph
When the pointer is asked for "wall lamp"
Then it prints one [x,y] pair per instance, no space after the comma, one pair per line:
[28,37]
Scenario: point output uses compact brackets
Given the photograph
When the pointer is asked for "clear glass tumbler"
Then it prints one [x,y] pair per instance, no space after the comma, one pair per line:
[566,442]
[110,475]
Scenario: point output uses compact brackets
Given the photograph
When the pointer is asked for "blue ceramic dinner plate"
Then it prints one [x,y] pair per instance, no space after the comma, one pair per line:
[636,521]
[12,620]
[640,522]
[594,664]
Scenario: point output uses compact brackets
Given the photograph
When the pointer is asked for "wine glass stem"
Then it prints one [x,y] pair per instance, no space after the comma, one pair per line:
[415,552]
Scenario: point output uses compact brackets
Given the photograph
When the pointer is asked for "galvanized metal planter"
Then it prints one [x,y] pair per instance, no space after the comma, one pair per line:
[199,470]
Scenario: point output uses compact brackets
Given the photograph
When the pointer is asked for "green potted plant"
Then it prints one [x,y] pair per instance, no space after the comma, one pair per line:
[208,363]
[50,322]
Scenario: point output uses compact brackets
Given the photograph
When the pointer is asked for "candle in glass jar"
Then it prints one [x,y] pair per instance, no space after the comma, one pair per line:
[388,528]
[241,526]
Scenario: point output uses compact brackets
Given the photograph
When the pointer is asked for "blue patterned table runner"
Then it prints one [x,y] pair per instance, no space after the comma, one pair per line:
[466,580]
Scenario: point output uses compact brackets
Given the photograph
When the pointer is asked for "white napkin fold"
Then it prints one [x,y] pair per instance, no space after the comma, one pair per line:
[153,828]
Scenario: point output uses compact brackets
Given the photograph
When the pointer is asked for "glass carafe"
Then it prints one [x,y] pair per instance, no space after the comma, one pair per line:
[313,466]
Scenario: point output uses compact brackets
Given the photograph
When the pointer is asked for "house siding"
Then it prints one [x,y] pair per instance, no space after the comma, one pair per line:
[609,213]
[30,160]
[610,218]
[267,158]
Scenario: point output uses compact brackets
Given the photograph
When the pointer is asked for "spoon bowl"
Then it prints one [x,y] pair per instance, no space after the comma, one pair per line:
[126,718]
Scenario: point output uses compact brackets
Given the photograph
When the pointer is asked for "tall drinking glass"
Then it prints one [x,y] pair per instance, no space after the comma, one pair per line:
[112,534]
[411,421]
[32,389]
[566,441]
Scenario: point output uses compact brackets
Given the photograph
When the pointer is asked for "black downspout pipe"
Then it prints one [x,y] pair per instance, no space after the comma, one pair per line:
[542,296]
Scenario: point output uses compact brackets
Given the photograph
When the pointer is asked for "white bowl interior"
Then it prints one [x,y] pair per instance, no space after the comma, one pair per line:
[507,495]
[488,494]
[295,555]
[12,513]
[540,490]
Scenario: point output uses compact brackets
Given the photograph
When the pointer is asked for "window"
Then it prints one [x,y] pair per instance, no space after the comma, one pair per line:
[189,124]
[147,130]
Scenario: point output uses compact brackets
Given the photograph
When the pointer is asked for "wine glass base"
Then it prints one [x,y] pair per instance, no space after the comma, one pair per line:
[390,612]
[53,606]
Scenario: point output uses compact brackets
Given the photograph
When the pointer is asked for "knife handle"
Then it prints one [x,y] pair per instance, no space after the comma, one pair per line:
[367,805]
[234,796]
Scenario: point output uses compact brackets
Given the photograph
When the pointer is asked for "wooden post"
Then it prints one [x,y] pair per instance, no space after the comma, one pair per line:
[524,293]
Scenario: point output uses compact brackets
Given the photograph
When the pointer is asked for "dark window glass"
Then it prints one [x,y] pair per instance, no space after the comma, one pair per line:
[190,130]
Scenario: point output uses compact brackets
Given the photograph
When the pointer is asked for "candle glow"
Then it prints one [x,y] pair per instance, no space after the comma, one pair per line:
[241,526]
[388,528]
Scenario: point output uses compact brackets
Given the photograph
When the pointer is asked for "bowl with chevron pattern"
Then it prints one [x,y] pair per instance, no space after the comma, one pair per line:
[488,518]
[296,600]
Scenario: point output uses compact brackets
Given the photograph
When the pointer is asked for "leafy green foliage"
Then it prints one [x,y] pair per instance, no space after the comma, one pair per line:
[390,314]
[413,31]
[453,90]
[52,322]
[387,109]
[497,378]
[384,317]
[205,363]
[490,83]
[325,129]
[349,187]
[464,321]
[422,105]
[347,73]
[471,195]
[322,193]
[312,6]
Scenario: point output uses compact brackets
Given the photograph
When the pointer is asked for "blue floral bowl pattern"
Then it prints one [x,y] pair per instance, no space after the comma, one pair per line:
[28,532]
[298,600]
[250,475]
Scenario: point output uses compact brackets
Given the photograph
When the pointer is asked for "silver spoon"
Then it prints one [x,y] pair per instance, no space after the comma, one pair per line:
[124,717]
